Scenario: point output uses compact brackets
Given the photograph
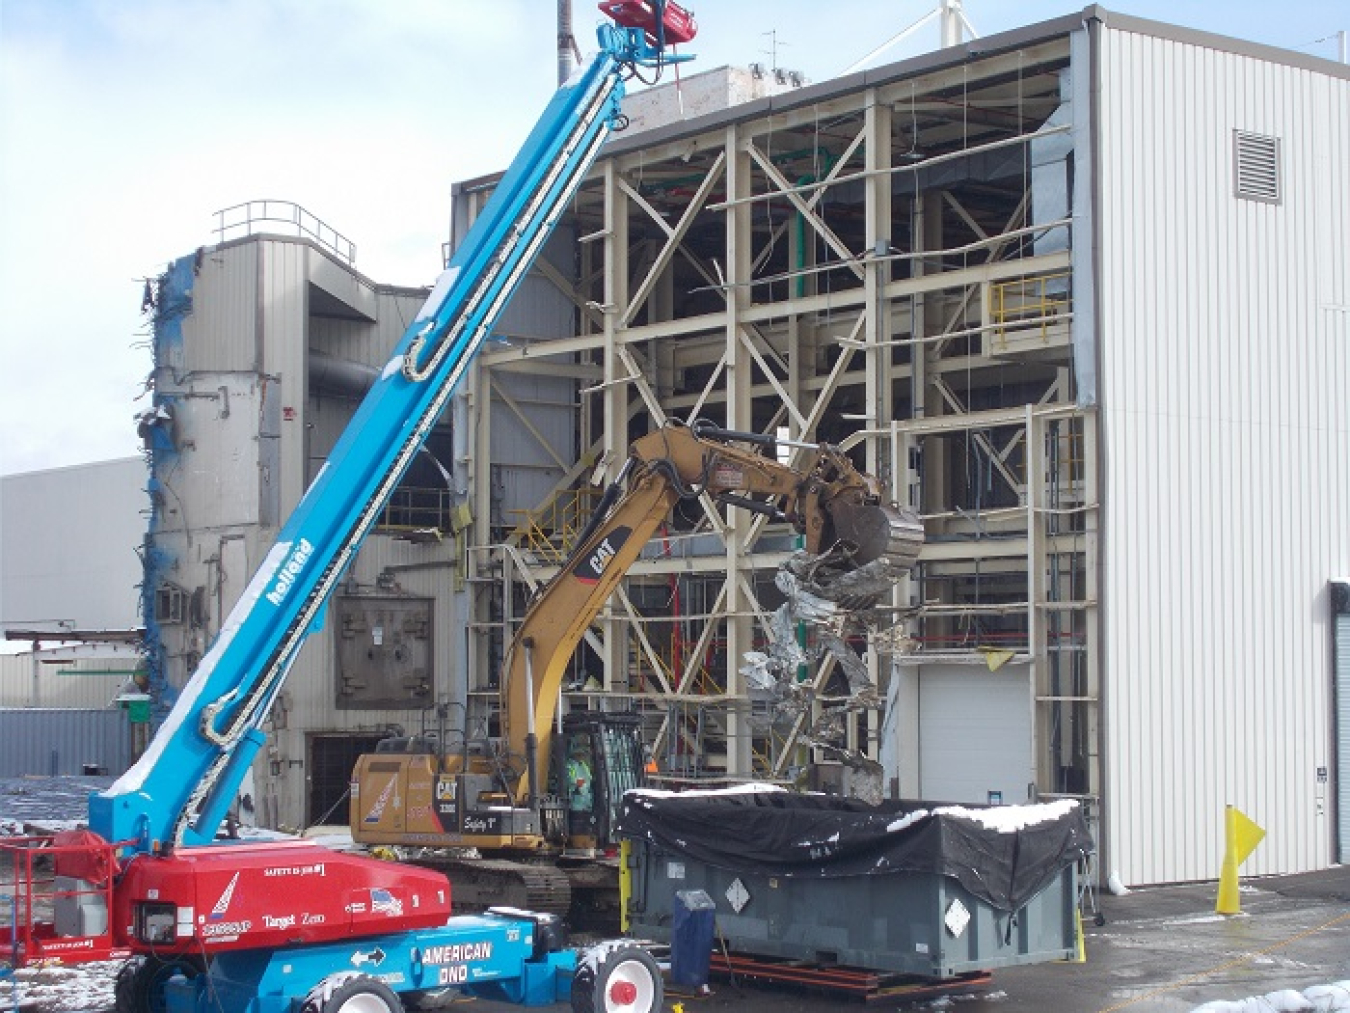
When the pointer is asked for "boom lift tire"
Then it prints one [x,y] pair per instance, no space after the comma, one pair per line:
[139,987]
[347,992]
[617,977]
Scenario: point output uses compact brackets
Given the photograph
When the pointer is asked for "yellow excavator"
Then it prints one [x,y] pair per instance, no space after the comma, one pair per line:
[539,807]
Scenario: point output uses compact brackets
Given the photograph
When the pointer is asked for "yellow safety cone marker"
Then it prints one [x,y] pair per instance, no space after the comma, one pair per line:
[1241,836]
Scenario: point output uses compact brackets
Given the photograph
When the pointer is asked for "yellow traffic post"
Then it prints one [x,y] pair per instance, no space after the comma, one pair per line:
[1240,838]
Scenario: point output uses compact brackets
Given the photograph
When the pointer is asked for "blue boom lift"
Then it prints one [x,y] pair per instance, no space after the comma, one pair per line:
[282,927]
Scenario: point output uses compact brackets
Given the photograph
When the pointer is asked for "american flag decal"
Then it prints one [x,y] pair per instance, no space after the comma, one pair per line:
[384,902]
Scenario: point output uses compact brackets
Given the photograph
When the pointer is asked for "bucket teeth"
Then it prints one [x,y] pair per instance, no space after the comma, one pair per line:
[880,532]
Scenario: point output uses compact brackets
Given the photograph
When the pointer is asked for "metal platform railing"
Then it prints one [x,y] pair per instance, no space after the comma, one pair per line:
[56,891]
[248,219]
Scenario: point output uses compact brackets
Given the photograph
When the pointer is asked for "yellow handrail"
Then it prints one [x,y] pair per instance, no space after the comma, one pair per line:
[1022,304]
[551,530]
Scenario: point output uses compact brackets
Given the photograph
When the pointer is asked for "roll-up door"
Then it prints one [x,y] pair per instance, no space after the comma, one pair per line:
[975,733]
[1340,631]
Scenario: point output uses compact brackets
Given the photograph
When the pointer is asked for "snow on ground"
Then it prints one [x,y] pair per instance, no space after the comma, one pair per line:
[1318,999]
[55,802]
[73,989]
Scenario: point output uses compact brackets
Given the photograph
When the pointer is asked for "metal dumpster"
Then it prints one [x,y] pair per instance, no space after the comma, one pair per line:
[904,887]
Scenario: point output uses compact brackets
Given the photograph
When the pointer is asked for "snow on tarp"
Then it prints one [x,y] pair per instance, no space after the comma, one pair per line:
[1003,855]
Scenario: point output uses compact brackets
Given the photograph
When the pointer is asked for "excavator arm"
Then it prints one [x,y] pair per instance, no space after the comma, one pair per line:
[830,503]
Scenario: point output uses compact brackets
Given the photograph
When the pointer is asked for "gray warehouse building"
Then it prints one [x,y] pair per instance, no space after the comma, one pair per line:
[1078,293]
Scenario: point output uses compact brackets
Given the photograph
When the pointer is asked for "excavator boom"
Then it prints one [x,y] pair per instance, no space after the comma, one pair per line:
[502,799]
[832,504]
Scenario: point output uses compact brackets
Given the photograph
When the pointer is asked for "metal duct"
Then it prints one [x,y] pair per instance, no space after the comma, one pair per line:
[331,375]
[1050,173]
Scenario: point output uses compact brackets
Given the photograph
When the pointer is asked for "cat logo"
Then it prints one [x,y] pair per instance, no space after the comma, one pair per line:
[592,567]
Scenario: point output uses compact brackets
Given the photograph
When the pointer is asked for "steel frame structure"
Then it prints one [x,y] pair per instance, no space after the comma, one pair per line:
[865,264]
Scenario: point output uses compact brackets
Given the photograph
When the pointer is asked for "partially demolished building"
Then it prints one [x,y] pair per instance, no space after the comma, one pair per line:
[1079,293]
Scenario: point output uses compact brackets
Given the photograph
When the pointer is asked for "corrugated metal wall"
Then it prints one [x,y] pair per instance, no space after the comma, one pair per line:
[312,686]
[1225,365]
[537,428]
[89,682]
[308,702]
[283,310]
[59,742]
[222,332]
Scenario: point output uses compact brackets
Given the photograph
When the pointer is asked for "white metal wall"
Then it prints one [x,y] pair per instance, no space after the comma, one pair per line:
[253,312]
[68,543]
[308,702]
[1225,366]
[85,678]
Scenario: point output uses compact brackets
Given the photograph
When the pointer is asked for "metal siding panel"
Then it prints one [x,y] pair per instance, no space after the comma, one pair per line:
[529,470]
[216,478]
[284,314]
[327,414]
[69,542]
[1225,440]
[363,341]
[60,742]
[89,683]
[221,332]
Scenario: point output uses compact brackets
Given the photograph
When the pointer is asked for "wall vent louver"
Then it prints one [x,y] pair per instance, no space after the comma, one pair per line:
[1256,167]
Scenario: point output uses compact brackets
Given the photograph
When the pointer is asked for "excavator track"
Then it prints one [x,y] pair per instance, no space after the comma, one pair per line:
[477,884]
[596,902]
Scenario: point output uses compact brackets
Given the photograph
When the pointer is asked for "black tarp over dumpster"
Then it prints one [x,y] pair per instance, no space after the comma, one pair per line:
[1004,855]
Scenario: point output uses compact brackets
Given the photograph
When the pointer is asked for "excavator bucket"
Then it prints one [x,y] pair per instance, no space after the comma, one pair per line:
[878,531]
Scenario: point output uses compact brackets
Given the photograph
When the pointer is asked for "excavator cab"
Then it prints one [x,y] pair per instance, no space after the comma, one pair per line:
[596,759]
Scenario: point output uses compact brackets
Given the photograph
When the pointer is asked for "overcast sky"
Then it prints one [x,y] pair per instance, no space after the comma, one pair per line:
[126,124]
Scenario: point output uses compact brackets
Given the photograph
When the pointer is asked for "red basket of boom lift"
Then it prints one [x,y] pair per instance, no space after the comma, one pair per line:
[677,23]
[55,896]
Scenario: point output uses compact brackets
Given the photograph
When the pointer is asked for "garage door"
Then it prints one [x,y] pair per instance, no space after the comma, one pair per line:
[975,733]
[331,759]
[1340,630]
